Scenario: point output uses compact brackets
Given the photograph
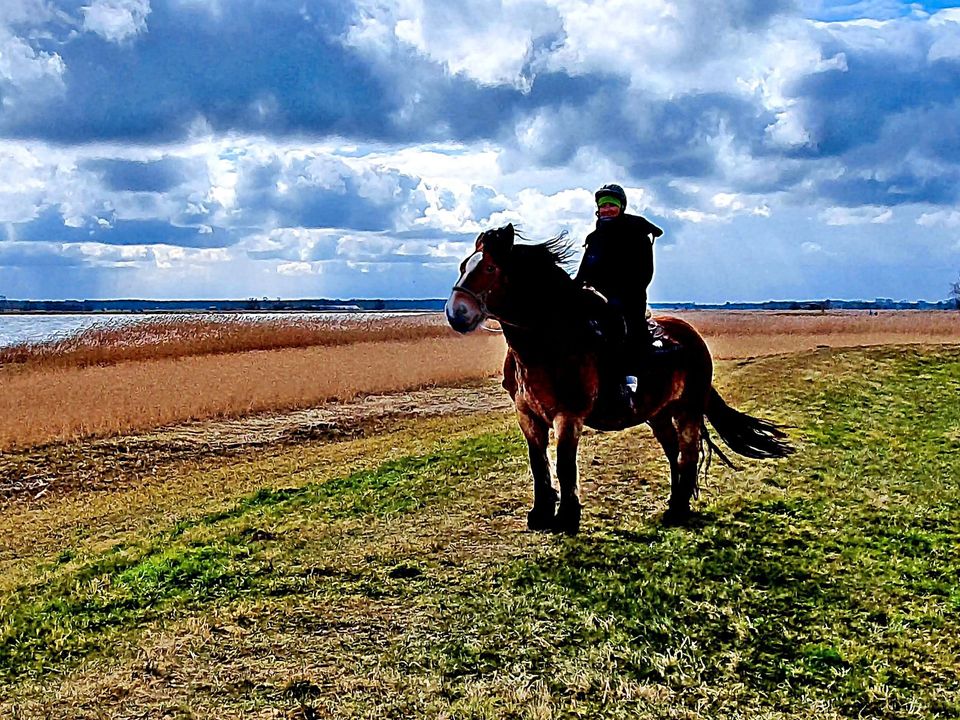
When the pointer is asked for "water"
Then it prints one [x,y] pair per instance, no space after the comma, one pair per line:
[16,329]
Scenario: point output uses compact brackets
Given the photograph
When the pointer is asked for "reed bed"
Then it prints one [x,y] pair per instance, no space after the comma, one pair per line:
[738,334]
[55,404]
[192,335]
[911,323]
[119,379]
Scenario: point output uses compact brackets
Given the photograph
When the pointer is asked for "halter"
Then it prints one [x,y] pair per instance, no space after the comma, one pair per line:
[479,298]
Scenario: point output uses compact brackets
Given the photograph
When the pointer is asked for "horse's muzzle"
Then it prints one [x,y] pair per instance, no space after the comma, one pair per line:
[462,312]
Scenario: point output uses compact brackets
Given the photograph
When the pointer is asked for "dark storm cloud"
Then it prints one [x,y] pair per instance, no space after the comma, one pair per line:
[844,109]
[49,226]
[890,117]
[652,137]
[277,68]
[753,14]
[17,254]
[262,66]
[330,195]
[150,232]
[128,175]
[897,189]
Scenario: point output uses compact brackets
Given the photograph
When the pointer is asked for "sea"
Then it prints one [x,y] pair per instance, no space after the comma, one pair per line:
[16,329]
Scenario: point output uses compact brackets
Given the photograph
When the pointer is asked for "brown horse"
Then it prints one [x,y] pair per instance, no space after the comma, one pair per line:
[558,372]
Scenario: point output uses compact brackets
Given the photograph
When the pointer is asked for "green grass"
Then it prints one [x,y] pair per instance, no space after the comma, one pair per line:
[839,593]
[70,614]
[827,585]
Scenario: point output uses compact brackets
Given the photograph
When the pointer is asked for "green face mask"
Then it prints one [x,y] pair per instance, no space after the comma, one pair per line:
[609,200]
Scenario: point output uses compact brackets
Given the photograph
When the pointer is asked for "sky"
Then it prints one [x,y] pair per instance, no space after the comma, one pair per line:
[790,149]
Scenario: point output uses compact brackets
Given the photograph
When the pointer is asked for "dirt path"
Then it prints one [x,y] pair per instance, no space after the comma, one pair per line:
[91,464]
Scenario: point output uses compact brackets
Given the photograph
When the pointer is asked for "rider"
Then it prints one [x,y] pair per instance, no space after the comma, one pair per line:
[618,263]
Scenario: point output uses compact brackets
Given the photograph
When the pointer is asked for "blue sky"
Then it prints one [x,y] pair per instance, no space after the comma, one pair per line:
[791,149]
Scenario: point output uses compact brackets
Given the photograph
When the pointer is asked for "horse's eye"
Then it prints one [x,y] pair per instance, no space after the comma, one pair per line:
[489,268]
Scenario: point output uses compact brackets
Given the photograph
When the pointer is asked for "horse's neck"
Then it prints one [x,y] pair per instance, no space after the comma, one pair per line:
[561,327]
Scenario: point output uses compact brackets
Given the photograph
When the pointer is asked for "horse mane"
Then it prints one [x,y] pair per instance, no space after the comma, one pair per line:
[546,261]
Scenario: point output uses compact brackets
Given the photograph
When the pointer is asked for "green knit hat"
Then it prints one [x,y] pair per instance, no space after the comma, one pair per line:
[609,200]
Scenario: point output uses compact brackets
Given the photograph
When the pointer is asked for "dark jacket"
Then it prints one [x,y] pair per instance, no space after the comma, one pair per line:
[618,262]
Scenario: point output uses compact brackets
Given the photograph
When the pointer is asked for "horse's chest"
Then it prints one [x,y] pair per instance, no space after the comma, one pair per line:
[546,395]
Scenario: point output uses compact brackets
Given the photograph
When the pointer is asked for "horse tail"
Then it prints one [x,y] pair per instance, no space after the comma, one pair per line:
[744,434]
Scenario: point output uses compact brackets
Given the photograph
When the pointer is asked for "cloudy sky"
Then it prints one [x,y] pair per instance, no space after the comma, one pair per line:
[307,148]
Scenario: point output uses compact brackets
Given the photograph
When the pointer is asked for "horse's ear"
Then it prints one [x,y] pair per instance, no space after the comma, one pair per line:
[500,242]
[479,244]
[505,236]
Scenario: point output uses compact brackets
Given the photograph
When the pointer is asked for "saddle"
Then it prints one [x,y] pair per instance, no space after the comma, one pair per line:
[608,326]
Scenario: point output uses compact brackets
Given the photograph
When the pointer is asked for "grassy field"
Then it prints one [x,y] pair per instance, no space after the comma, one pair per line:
[389,575]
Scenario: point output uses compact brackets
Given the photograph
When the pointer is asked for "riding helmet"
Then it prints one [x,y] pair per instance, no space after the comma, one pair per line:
[612,191]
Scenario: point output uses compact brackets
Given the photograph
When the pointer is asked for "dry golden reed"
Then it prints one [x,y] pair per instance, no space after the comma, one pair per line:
[738,334]
[114,380]
[55,404]
[176,336]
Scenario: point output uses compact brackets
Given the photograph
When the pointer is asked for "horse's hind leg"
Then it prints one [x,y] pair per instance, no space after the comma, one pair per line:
[684,482]
[666,433]
[537,433]
[568,440]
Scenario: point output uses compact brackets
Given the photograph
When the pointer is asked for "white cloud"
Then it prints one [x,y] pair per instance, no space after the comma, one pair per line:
[110,255]
[296,268]
[947,44]
[20,64]
[24,179]
[365,247]
[489,41]
[856,216]
[116,20]
[940,218]
[169,256]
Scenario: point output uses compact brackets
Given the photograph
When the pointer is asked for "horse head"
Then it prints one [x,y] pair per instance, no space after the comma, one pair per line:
[480,291]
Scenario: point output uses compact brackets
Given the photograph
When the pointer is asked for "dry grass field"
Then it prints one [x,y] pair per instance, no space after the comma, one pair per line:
[738,334]
[168,337]
[52,404]
[115,380]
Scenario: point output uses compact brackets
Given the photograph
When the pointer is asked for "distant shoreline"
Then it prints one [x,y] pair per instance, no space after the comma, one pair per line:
[144,307]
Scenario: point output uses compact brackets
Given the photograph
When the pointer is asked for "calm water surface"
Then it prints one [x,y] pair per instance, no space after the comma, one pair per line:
[38,328]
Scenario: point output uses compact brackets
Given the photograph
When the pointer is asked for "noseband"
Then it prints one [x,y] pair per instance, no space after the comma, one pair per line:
[479,298]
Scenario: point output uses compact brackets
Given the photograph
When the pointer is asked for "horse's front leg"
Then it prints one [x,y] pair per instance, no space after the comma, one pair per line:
[537,433]
[568,430]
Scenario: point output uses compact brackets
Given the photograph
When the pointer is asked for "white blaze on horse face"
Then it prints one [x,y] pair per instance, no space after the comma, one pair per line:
[463,311]
[470,266]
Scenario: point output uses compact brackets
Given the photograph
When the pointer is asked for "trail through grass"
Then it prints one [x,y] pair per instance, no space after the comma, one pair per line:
[823,586]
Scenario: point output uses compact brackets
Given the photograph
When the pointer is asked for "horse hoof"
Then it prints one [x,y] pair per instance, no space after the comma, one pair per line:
[674,517]
[568,519]
[540,520]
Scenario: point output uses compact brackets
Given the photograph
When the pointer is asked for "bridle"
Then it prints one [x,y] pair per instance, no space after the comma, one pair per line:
[479,298]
